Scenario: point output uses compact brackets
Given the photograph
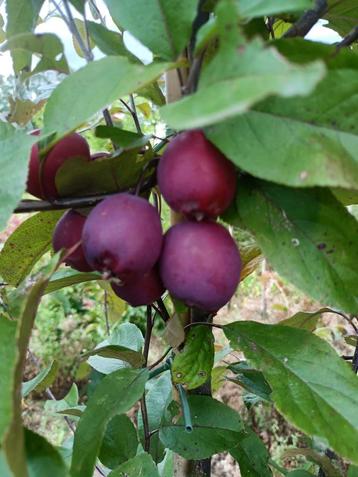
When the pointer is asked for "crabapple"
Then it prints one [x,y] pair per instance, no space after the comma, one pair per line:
[140,288]
[42,183]
[194,177]
[67,234]
[122,235]
[200,264]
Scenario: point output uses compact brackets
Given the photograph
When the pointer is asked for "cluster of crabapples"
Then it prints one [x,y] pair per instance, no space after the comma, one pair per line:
[196,260]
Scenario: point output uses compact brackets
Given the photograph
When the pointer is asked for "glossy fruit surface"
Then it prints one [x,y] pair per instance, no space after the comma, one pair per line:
[70,146]
[141,288]
[123,235]
[67,234]
[194,177]
[200,264]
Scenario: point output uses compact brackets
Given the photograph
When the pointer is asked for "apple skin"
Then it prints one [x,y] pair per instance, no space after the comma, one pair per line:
[200,264]
[72,145]
[195,178]
[141,288]
[68,233]
[122,236]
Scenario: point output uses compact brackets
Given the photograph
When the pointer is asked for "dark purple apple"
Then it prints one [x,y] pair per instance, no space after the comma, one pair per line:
[195,178]
[42,184]
[141,288]
[123,235]
[67,234]
[200,264]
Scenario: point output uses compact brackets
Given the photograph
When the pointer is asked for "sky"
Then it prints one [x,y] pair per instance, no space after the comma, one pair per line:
[56,25]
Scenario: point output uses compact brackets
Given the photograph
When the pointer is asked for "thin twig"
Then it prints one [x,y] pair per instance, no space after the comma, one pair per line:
[148,335]
[27,206]
[355,359]
[307,20]
[203,323]
[194,73]
[143,404]
[134,114]
[144,412]
[106,315]
[74,30]
[163,310]
[349,39]
[160,359]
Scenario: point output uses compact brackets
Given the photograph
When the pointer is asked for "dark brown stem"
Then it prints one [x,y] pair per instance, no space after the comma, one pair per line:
[200,468]
[134,114]
[160,359]
[163,310]
[203,323]
[143,404]
[307,20]
[27,206]
[74,30]
[106,316]
[355,358]
[144,412]
[349,39]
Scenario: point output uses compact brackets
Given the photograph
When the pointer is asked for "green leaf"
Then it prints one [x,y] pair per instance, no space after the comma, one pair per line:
[124,139]
[141,465]
[168,25]
[24,311]
[115,394]
[43,380]
[134,358]
[252,455]
[126,335]
[304,320]
[78,176]
[300,473]
[7,365]
[166,467]
[193,364]
[311,385]
[47,45]
[158,397]
[21,17]
[322,460]
[307,236]
[259,8]
[4,468]
[68,277]
[250,379]
[216,428]
[353,471]
[108,41]
[43,460]
[79,5]
[346,196]
[303,51]
[20,253]
[15,149]
[240,75]
[316,137]
[70,401]
[218,375]
[93,87]
[342,16]
[120,442]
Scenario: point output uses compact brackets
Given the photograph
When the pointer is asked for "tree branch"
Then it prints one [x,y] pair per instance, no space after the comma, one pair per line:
[27,206]
[349,39]
[143,404]
[307,20]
